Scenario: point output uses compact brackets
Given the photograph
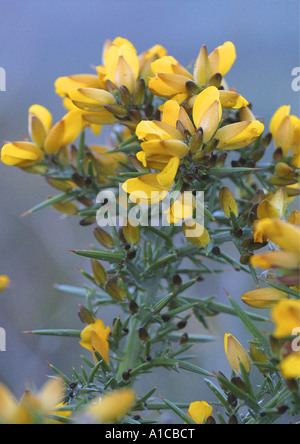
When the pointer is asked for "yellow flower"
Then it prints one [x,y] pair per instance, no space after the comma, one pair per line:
[263,297]
[200,411]
[4,282]
[282,129]
[33,408]
[236,354]
[286,316]
[290,366]
[171,77]
[111,407]
[21,154]
[275,207]
[283,234]
[95,338]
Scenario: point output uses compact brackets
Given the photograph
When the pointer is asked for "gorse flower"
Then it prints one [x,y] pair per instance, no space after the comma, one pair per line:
[111,407]
[4,282]
[200,411]
[46,139]
[95,338]
[33,408]
[172,80]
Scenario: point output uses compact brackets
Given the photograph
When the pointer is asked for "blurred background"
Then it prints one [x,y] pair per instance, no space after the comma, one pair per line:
[42,40]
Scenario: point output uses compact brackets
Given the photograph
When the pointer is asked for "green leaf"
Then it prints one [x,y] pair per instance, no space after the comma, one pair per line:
[186,418]
[100,255]
[63,333]
[80,154]
[192,337]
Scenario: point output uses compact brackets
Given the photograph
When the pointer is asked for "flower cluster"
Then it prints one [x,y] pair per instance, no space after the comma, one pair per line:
[173,130]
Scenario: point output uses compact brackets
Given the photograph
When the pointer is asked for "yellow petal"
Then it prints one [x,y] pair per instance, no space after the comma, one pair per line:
[228,202]
[64,132]
[170,148]
[236,354]
[112,406]
[283,234]
[222,59]
[196,233]
[232,100]
[4,282]
[290,366]
[238,135]
[207,112]
[276,259]
[155,130]
[200,411]
[21,154]
[145,189]
[263,297]
[51,394]
[168,174]
[286,316]
[91,99]
[202,67]
[282,130]
[267,210]
[64,84]
[295,218]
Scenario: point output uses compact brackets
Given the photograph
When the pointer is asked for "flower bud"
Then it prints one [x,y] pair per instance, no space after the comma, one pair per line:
[125,96]
[104,238]
[65,207]
[284,171]
[115,291]
[139,92]
[228,202]
[259,356]
[295,218]
[196,143]
[99,272]
[86,316]
[236,354]
[131,232]
[60,185]
[196,233]
[263,297]
[144,335]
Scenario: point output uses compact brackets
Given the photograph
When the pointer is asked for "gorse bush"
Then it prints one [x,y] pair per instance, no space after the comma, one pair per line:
[188,149]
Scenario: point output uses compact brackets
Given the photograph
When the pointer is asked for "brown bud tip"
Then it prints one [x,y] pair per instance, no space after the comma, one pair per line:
[133,307]
[143,334]
[184,339]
